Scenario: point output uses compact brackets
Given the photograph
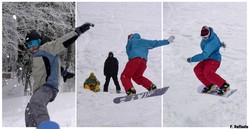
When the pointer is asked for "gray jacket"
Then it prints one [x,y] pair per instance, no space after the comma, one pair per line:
[45,63]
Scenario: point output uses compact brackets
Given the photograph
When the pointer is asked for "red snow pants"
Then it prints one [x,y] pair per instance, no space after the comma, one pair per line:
[134,70]
[205,72]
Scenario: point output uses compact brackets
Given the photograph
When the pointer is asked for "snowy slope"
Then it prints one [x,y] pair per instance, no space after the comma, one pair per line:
[61,110]
[113,22]
[183,106]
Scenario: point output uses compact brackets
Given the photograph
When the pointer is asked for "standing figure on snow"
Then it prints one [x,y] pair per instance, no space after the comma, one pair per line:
[210,59]
[111,71]
[46,72]
[137,50]
[92,83]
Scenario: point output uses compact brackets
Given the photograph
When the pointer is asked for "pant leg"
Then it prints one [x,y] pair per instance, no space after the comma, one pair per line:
[107,80]
[138,76]
[36,110]
[128,73]
[199,72]
[115,80]
[210,72]
[96,88]
[29,117]
[87,87]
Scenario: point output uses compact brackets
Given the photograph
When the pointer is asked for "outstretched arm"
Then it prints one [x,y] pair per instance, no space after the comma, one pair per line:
[63,42]
[157,43]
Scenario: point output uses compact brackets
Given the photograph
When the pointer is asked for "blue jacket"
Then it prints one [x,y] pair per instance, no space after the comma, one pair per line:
[138,47]
[210,48]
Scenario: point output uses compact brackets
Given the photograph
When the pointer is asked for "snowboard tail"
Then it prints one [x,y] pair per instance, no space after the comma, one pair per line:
[143,95]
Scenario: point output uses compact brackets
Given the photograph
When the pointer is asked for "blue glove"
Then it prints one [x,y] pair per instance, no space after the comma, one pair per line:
[83,28]
[189,60]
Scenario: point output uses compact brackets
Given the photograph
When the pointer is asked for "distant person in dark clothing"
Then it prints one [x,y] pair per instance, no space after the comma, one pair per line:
[111,71]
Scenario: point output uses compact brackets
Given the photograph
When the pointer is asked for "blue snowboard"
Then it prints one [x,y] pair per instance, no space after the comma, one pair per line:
[147,94]
[49,125]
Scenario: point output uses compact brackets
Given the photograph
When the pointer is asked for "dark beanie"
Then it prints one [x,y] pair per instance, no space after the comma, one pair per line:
[32,36]
[110,53]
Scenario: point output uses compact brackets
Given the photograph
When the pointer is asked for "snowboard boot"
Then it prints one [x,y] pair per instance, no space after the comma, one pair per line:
[223,89]
[131,92]
[208,89]
[152,87]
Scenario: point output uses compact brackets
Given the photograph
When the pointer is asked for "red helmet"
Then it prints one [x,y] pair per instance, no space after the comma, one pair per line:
[205,31]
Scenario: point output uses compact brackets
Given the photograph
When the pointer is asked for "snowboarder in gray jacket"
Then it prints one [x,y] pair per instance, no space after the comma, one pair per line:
[46,72]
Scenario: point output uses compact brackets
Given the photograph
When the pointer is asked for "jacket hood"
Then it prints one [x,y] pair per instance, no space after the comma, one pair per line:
[135,36]
[212,34]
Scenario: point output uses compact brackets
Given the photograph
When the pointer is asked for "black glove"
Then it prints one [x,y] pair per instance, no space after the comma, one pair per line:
[189,60]
[68,76]
[65,74]
[83,28]
[223,45]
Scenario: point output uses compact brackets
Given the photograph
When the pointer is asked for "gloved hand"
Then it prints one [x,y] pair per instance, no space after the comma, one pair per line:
[65,74]
[68,76]
[83,28]
[189,60]
[223,44]
[171,38]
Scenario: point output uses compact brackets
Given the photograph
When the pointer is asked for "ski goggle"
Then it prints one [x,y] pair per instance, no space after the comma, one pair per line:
[205,37]
[205,32]
[34,43]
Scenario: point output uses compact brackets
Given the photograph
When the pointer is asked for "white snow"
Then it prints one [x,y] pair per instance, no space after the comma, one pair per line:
[61,110]
[183,106]
[14,16]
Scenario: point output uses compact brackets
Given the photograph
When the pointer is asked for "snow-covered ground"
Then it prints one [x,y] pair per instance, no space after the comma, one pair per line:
[183,106]
[61,110]
[113,22]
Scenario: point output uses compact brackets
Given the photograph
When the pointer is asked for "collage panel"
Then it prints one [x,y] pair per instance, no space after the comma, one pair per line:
[124,64]
[113,22]
[38,63]
[212,35]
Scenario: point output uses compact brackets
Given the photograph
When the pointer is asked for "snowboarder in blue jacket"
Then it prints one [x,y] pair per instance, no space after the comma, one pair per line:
[137,50]
[209,61]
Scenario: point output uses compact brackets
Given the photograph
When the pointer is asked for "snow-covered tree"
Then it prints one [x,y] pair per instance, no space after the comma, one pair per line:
[50,19]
